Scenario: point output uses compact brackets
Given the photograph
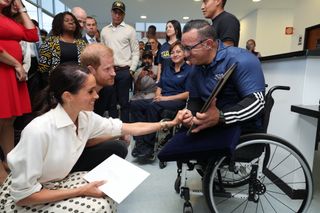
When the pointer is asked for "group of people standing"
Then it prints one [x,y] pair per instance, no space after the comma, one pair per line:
[67,139]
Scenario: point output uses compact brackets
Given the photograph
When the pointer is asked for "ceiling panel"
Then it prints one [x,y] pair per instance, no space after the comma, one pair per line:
[160,11]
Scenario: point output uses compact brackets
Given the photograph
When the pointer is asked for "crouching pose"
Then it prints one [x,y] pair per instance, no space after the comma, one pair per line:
[50,145]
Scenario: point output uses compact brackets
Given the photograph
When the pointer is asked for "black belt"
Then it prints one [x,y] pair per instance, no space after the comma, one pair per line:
[117,68]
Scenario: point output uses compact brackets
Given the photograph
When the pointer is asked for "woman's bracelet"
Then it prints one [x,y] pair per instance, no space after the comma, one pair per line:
[164,125]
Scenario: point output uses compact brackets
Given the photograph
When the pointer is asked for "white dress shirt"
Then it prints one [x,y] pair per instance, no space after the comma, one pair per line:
[91,39]
[122,40]
[50,147]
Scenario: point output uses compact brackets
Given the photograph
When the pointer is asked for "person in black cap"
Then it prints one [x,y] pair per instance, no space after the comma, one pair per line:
[145,78]
[119,5]
[121,37]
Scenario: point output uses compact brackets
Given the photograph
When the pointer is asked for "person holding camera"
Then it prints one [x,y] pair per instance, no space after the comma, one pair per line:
[144,78]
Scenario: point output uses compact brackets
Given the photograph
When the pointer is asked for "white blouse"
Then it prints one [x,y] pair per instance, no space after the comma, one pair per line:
[49,148]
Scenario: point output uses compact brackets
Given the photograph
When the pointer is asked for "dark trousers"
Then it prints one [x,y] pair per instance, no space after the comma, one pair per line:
[121,88]
[93,156]
[149,111]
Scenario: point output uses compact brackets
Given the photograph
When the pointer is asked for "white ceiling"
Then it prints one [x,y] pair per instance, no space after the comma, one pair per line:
[160,11]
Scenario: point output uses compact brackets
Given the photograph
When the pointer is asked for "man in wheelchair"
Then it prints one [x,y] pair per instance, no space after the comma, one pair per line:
[240,102]
[274,177]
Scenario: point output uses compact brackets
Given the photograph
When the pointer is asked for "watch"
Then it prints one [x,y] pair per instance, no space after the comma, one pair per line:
[221,117]
[23,10]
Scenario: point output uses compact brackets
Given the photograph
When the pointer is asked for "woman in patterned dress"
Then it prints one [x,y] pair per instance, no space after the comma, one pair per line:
[50,145]
[65,44]
[14,97]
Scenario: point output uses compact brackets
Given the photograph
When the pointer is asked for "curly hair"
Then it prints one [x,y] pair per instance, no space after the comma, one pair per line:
[57,25]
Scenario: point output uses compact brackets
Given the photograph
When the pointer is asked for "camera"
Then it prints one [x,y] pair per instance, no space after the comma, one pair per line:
[147,67]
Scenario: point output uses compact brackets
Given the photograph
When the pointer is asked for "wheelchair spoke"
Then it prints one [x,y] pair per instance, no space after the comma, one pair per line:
[280,162]
[280,202]
[261,206]
[239,206]
[269,203]
[280,178]
[292,183]
[257,206]
[245,207]
[222,201]
[275,150]
[276,192]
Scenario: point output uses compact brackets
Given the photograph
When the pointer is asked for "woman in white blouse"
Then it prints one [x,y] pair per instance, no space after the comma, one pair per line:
[50,145]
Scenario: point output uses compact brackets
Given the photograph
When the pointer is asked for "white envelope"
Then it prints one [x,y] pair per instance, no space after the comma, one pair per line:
[122,177]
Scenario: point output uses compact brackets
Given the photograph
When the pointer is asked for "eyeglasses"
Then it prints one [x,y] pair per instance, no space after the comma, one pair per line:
[189,48]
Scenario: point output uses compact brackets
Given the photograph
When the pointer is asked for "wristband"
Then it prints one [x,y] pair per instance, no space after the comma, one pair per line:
[23,10]
[221,117]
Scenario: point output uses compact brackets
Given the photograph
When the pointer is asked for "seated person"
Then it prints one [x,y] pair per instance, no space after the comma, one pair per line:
[40,179]
[241,100]
[144,78]
[171,94]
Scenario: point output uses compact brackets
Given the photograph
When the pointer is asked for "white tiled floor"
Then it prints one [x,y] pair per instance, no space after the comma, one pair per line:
[157,194]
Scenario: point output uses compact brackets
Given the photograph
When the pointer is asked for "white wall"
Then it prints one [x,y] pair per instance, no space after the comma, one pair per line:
[271,35]
[267,27]
[248,28]
[306,14]
[302,75]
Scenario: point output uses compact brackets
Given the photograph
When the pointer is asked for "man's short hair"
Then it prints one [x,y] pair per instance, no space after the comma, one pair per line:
[147,54]
[152,31]
[152,28]
[205,30]
[90,17]
[92,53]
[78,10]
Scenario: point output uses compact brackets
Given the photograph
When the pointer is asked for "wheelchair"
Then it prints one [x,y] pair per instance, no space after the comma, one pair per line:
[265,173]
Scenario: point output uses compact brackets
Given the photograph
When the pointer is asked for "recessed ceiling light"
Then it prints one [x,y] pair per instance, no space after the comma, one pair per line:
[196,0]
[256,0]
[143,17]
[185,17]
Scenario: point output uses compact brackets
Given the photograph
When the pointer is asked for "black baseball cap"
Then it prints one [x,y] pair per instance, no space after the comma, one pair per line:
[147,54]
[119,5]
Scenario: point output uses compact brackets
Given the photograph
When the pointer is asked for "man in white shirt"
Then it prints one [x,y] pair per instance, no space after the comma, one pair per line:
[122,39]
[91,30]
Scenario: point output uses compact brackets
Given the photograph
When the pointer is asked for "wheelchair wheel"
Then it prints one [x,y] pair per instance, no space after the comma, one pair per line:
[187,208]
[177,184]
[282,184]
[236,171]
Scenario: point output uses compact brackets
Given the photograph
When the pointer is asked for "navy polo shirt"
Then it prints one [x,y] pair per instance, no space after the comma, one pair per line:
[172,82]
[246,79]
[164,55]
